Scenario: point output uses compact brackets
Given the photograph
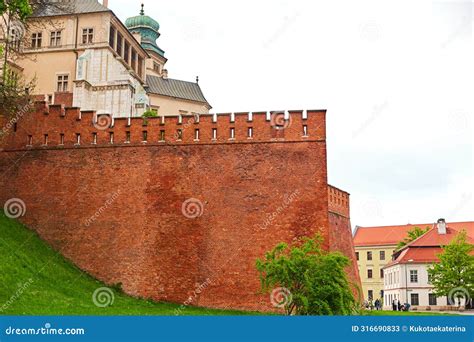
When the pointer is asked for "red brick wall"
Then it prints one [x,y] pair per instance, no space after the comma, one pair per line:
[254,192]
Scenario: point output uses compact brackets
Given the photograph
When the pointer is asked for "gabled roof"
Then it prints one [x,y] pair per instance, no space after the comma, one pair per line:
[71,7]
[175,88]
[392,235]
[427,247]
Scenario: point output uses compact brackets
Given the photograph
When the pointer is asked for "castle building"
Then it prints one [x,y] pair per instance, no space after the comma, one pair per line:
[406,275]
[81,54]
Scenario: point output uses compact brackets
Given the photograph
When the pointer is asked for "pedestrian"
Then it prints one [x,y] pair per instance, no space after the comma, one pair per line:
[394,305]
[399,306]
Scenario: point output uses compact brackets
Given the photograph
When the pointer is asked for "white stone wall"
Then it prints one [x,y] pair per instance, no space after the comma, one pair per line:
[108,85]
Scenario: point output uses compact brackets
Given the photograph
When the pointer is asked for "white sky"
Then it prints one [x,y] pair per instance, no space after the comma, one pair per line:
[395,76]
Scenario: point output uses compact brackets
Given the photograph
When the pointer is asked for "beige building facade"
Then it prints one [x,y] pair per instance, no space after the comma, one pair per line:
[84,56]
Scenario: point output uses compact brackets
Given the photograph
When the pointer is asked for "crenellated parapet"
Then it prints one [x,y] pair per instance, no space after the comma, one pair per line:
[57,126]
[338,201]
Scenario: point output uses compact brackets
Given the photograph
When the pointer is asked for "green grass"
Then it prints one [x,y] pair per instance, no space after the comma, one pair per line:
[403,313]
[60,288]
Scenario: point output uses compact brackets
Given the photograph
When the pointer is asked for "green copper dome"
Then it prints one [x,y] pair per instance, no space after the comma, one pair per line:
[148,29]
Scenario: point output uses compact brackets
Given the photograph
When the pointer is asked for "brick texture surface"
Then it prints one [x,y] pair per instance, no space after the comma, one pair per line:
[116,209]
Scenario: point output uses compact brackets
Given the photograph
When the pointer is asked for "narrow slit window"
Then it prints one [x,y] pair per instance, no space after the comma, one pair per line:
[232,133]
[180,134]
[305,130]
[214,134]
[78,138]
[250,132]
[94,138]
[61,139]
[196,134]
[162,135]
[30,140]
[127,136]
[45,141]
[145,136]
[111,137]
[232,117]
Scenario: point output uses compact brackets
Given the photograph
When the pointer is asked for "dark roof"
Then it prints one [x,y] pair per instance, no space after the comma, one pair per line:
[70,7]
[175,88]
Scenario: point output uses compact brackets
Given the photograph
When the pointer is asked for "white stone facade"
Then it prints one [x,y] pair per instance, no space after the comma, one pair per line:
[104,84]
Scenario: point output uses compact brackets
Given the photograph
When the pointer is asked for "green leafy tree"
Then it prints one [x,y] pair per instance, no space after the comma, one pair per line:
[453,276]
[314,280]
[412,235]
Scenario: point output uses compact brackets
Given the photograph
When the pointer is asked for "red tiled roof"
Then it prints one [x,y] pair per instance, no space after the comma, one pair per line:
[426,248]
[392,235]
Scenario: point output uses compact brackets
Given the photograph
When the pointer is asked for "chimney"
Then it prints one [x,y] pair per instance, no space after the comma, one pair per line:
[441,226]
[105,3]
[165,74]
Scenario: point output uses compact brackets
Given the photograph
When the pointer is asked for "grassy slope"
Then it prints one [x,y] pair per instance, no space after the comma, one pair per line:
[58,287]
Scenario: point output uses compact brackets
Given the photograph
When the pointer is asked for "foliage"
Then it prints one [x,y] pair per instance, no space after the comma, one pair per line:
[61,288]
[412,235]
[455,269]
[315,278]
[149,114]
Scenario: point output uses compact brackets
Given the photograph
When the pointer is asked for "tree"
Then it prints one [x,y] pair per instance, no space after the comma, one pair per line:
[453,276]
[310,281]
[412,235]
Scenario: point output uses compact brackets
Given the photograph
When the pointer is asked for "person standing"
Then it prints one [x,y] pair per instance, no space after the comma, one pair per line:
[399,306]
[394,305]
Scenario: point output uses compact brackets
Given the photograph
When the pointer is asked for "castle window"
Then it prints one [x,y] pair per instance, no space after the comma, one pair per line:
[369,256]
[369,273]
[357,256]
[140,66]
[50,99]
[55,39]
[145,136]
[414,299]
[196,134]
[381,273]
[45,140]
[382,255]
[112,37]
[119,44]
[156,67]
[36,40]
[413,276]
[111,137]
[62,84]
[232,133]
[162,135]
[127,137]
[250,132]
[305,130]
[179,134]
[87,35]
[214,134]
[134,60]
[94,138]
[29,142]
[432,299]
[78,138]
[126,56]
[61,139]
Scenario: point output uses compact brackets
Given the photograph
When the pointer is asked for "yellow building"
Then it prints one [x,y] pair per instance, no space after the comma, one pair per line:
[374,247]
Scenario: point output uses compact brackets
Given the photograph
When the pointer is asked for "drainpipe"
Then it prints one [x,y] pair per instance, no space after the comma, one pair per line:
[75,45]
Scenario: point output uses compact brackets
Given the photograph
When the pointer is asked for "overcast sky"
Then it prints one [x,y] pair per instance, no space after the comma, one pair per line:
[395,76]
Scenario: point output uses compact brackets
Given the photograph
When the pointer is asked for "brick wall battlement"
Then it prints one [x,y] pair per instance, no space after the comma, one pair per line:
[338,201]
[58,126]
